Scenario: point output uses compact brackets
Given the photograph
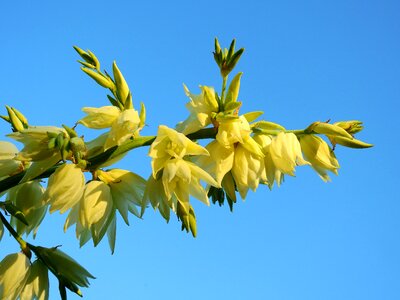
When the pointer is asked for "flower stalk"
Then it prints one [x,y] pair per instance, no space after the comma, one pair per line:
[24,245]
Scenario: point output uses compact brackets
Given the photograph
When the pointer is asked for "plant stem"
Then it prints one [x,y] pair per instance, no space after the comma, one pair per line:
[98,160]
[224,81]
[15,235]
[296,131]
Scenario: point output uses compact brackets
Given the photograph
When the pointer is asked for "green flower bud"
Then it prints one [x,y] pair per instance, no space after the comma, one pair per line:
[102,80]
[21,117]
[121,85]
[233,90]
[327,129]
[86,56]
[142,115]
[64,267]
[351,127]
[71,132]
[351,143]
[16,123]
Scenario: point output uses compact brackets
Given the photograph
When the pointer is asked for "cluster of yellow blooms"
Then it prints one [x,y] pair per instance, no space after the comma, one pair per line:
[243,153]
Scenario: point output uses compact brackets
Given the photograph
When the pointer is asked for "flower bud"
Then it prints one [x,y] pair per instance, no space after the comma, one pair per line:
[20,116]
[62,265]
[351,127]
[121,85]
[16,123]
[233,90]
[99,78]
[328,129]
[351,143]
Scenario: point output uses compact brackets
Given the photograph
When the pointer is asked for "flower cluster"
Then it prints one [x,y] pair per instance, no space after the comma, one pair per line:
[240,155]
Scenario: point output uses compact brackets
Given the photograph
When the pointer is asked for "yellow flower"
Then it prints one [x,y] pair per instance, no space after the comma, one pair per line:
[155,195]
[247,170]
[28,198]
[233,130]
[65,188]
[320,155]
[124,123]
[201,108]
[8,165]
[14,272]
[219,162]
[235,150]
[171,144]
[282,153]
[286,153]
[123,128]
[180,178]
[36,149]
[94,215]
[37,284]
[272,173]
[35,140]
[95,209]
[98,118]
[127,190]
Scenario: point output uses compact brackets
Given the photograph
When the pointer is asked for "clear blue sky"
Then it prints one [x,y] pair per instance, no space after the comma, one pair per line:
[304,61]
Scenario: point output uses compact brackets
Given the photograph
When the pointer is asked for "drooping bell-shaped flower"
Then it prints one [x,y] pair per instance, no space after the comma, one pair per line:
[127,189]
[14,272]
[235,150]
[8,164]
[247,170]
[37,284]
[94,214]
[286,153]
[65,188]
[96,206]
[28,198]
[272,173]
[320,155]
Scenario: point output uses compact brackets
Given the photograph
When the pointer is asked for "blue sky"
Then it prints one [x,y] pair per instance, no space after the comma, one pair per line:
[304,61]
